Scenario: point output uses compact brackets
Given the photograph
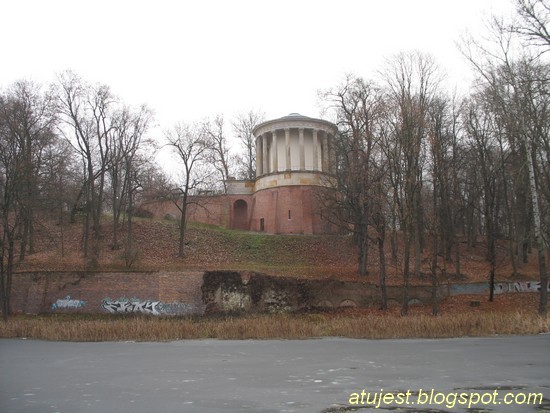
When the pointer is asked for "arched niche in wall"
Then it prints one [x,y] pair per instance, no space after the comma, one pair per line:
[240,214]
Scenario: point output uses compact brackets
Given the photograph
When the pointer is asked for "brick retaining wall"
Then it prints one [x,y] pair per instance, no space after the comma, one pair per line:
[175,293]
[43,292]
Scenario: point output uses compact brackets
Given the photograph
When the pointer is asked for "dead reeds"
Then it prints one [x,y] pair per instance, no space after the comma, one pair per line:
[373,325]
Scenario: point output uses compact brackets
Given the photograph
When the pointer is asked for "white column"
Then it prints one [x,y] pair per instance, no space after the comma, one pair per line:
[325,153]
[265,159]
[287,148]
[259,161]
[315,151]
[302,150]
[274,154]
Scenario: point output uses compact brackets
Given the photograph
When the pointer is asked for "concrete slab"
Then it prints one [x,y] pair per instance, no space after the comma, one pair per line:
[210,376]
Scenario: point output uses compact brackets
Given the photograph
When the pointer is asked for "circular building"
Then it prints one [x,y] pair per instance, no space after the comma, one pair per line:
[294,160]
[294,157]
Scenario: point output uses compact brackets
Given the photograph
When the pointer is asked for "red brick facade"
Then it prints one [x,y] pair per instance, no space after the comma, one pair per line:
[288,210]
[278,210]
[35,293]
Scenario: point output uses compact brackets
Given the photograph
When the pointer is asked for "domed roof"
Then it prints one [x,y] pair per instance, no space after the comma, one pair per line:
[294,117]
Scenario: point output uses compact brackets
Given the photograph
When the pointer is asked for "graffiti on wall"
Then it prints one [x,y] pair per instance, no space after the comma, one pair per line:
[67,302]
[130,305]
[500,288]
[519,287]
[177,308]
[135,305]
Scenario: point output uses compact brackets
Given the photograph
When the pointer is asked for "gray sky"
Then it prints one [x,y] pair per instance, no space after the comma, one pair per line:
[192,59]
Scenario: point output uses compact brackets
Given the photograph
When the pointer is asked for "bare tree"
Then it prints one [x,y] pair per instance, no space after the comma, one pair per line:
[60,183]
[380,211]
[479,129]
[29,117]
[135,167]
[533,21]
[12,216]
[86,112]
[412,82]
[129,127]
[218,152]
[243,127]
[440,222]
[358,108]
[532,100]
[518,86]
[26,123]
[191,147]
[153,181]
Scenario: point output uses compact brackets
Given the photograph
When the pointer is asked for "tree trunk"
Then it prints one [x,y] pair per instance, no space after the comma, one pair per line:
[86,233]
[118,204]
[435,303]
[31,232]
[116,216]
[363,242]
[406,274]
[382,257]
[457,256]
[115,245]
[438,228]
[393,237]
[74,208]
[6,274]
[129,253]
[492,263]
[417,252]
[183,223]
[393,242]
[97,202]
[24,238]
[539,241]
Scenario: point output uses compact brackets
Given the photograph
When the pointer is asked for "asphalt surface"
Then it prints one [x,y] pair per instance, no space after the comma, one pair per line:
[274,376]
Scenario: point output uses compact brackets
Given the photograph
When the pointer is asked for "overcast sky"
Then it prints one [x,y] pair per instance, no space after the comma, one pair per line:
[192,59]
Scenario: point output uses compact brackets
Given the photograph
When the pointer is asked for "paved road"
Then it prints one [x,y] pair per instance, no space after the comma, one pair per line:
[210,376]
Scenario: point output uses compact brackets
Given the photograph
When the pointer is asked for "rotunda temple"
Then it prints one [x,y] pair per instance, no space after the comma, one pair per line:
[294,157]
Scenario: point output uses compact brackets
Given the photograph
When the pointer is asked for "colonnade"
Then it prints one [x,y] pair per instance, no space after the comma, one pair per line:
[294,149]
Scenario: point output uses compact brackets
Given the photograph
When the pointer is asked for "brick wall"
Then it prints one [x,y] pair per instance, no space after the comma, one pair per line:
[209,209]
[174,293]
[289,210]
[43,292]
[284,210]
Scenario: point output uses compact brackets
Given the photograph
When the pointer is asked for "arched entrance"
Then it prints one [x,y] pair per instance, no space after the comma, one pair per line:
[240,214]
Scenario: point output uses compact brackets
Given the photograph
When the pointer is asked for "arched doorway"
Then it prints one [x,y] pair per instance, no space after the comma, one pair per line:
[240,214]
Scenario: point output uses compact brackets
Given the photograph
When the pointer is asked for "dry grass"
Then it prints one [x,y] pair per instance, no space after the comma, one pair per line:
[350,323]
[213,248]
[303,256]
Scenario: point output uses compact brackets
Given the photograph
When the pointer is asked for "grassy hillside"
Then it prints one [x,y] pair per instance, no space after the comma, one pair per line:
[209,248]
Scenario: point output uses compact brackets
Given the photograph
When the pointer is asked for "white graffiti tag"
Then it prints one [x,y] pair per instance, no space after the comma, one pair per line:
[518,287]
[131,306]
[68,303]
